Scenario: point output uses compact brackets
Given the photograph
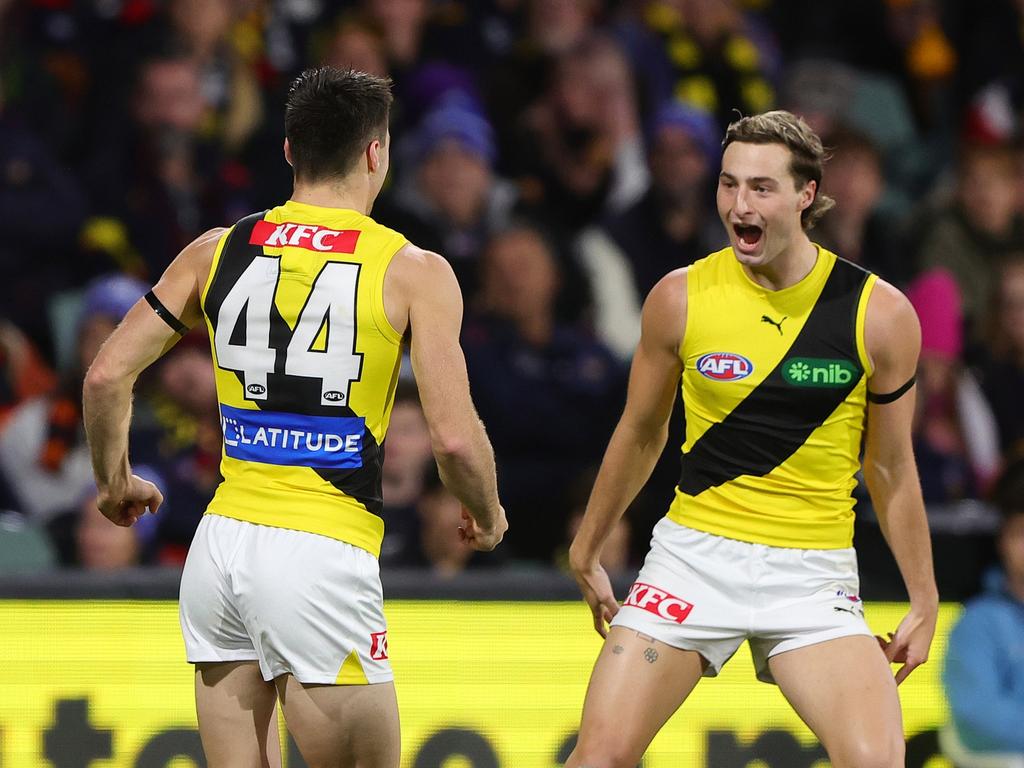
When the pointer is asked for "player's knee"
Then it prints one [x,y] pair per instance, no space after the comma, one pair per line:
[878,752]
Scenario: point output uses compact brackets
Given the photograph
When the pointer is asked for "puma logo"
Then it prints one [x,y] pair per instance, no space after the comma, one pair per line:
[778,325]
[844,609]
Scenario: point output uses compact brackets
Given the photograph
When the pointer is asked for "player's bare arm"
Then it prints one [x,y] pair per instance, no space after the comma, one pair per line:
[141,338]
[893,340]
[637,442]
[422,296]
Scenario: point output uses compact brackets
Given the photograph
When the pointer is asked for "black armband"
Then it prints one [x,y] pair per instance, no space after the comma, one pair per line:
[892,396]
[165,314]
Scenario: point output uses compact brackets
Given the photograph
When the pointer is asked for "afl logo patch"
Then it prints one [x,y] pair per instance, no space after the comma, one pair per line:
[256,389]
[724,366]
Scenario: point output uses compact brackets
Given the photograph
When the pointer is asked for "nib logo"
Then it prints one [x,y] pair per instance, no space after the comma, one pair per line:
[819,372]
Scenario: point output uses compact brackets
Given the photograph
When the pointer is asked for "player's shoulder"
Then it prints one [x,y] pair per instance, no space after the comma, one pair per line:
[888,306]
[412,259]
[664,311]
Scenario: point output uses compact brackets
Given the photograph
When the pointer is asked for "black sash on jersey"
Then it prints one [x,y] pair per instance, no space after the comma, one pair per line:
[776,418]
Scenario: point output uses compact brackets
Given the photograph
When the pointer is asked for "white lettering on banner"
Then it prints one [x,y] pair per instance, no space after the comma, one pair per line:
[291,439]
[320,239]
[300,233]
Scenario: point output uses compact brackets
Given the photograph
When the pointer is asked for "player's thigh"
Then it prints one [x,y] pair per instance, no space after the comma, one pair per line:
[638,682]
[844,690]
[237,715]
[342,726]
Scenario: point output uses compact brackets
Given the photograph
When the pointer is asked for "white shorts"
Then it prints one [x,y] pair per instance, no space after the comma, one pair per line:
[296,602]
[706,593]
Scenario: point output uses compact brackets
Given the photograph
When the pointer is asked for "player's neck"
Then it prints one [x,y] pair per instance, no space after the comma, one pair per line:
[788,268]
[354,196]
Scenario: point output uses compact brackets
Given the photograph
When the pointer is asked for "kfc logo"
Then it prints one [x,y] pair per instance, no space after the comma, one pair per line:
[308,236]
[379,645]
[659,602]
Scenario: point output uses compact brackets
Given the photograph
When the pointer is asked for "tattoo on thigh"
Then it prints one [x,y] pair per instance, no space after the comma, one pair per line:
[651,655]
[616,650]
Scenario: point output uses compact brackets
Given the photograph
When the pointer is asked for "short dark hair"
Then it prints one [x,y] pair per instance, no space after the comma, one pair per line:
[330,117]
[807,156]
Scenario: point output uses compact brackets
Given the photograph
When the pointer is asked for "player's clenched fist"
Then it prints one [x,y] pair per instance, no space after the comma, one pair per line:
[125,507]
[482,539]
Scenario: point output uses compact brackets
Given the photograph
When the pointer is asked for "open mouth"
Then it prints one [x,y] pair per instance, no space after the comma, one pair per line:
[748,236]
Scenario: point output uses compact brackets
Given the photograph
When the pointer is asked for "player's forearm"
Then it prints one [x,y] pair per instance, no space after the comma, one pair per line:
[466,465]
[627,464]
[896,496]
[106,409]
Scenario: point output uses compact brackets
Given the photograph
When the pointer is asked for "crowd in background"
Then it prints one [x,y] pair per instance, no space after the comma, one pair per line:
[563,155]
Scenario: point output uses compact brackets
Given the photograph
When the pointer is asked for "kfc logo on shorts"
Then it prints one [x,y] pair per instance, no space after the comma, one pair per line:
[379,645]
[659,602]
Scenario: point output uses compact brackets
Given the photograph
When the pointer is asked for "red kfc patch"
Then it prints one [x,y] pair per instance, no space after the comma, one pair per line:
[308,236]
[379,645]
[659,602]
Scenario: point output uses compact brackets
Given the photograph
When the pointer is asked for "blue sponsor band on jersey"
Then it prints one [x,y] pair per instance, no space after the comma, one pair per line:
[292,439]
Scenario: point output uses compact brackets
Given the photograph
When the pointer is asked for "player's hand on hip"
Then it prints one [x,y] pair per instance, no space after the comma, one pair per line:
[909,645]
[597,591]
[482,539]
[124,507]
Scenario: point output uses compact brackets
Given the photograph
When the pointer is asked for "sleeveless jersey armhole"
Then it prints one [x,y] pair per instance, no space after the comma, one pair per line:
[380,315]
[214,266]
[862,311]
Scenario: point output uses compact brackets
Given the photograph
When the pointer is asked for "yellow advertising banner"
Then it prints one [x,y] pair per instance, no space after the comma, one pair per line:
[104,684]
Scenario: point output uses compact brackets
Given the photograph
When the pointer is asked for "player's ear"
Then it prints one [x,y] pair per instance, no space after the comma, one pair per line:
[373,156]
[288,152]
[807,195]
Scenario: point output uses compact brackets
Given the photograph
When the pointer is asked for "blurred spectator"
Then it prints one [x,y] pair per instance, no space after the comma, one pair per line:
[43,454]
[43,209]
[582,150]
[669,227]
[1003,372]
[550,29]
[402,23]
[955,439]
[441,550]
[711,55]
[407,457]
[451,202]
[547,393]
[23,374]
[857,228]
[358,43]
[158,176]
[984,669]
[976,231]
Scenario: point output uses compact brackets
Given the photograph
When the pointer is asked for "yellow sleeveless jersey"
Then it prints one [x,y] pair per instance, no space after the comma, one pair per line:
[775,393]
[306,365]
